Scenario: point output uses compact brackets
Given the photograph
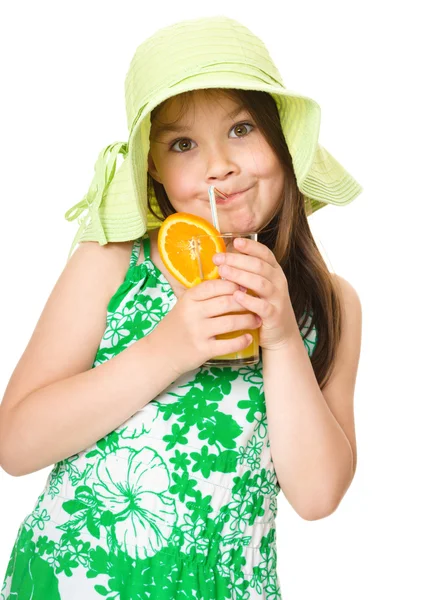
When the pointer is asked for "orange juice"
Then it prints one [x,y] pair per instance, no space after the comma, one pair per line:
[246,353]
[247,356]
[203,246]
[186,245]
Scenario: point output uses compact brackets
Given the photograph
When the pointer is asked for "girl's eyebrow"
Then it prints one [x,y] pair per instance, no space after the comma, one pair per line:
[179,128]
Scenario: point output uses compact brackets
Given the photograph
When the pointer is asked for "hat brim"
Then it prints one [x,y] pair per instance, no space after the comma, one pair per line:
[124,210]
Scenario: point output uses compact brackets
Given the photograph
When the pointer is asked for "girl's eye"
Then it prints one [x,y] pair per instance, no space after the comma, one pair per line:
[185,144]
[240,130]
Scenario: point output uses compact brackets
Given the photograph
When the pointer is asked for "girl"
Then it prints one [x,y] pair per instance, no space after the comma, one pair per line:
[166,473]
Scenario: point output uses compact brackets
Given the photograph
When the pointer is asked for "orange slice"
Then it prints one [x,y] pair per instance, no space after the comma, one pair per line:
[177,248]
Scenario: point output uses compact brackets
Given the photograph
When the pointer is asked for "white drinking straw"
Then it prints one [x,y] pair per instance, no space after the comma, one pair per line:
[211,193]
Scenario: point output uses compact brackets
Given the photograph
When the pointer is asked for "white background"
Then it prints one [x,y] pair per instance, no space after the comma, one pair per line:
[62,72]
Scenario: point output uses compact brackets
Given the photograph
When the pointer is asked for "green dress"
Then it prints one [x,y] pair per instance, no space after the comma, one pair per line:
[177,503]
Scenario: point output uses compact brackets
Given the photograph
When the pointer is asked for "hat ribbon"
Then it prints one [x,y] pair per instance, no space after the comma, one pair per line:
[105,168]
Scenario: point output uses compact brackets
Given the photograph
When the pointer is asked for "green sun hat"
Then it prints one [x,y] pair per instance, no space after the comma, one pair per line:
[211,52]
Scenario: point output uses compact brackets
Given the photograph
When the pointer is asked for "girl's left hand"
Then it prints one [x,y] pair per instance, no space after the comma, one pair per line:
[255,267]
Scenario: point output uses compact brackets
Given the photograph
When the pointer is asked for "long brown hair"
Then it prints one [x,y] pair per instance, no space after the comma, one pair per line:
[312,289]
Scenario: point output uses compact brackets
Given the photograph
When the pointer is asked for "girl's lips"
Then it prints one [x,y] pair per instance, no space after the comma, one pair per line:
[229,199]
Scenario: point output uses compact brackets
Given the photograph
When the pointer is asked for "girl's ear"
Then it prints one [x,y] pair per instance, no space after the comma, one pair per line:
[152,169]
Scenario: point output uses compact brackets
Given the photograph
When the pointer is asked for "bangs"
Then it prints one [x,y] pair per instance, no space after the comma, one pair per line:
[185,101]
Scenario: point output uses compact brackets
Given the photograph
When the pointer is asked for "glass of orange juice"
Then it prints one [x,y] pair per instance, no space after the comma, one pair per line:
[250,355]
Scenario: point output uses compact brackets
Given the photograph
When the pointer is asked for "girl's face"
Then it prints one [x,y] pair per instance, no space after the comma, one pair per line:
[216,142]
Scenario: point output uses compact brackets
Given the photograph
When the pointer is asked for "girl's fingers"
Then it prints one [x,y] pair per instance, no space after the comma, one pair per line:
[243,262]
[252,303]
[258,284]
[254,248]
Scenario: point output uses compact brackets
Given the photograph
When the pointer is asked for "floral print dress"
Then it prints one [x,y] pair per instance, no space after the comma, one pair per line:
[177,503]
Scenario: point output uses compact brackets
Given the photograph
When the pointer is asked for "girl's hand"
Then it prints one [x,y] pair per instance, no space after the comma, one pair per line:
[255,268]
[186,336]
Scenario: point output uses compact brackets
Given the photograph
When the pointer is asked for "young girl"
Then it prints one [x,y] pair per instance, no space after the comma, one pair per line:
[166,472]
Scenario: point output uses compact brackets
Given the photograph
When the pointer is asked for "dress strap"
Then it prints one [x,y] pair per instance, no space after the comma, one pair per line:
[146,246]
[136,248]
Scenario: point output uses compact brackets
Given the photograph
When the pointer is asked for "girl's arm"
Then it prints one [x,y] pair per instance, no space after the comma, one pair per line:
[312,433]
[55,404]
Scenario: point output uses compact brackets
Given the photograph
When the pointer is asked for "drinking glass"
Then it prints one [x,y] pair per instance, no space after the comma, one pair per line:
[249,355]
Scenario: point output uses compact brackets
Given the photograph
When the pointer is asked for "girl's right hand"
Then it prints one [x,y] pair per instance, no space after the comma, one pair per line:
[186,335]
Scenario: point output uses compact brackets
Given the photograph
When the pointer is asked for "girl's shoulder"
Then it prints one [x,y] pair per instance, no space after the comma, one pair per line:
[116,256]
[112,259]
[69,330]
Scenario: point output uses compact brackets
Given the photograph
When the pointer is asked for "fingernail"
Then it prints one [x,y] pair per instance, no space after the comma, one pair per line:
[218,259]
[242,289]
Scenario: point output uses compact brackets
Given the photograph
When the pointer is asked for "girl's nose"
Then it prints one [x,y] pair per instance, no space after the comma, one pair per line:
[220,165]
